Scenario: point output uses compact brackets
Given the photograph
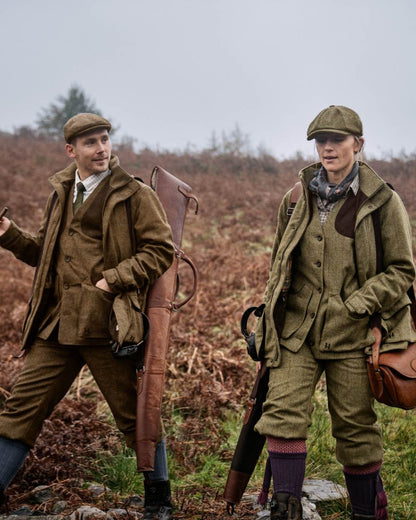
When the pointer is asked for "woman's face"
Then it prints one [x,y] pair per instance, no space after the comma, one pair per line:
[337,153]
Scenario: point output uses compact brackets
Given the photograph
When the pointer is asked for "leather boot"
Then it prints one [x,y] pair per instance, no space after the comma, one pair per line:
[4,500]
[157,500]
[356,516]
[284,506]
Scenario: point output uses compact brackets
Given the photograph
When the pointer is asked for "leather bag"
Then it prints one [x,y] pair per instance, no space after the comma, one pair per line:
[392,375]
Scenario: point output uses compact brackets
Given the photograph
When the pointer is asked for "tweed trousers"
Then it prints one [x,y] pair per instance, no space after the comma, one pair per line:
[48,372]
[287,411]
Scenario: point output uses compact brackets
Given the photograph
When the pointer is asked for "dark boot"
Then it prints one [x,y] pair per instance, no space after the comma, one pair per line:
[3,500]
[284,506]
[157,500]
[356,516]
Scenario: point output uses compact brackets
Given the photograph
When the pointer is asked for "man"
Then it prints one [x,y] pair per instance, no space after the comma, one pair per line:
[103,241]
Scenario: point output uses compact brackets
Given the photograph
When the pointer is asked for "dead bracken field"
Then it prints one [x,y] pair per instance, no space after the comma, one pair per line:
[208,372]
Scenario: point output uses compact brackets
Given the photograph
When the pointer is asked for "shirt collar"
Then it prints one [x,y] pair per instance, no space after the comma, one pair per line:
[91,182]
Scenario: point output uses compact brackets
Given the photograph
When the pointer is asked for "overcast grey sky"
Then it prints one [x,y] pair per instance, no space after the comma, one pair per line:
[170,72]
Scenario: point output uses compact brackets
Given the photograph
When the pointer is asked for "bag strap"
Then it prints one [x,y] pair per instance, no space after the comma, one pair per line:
[380,255]
[294,197]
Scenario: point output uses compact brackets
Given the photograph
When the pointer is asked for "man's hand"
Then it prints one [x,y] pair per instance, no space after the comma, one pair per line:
[103,285]
[4,225]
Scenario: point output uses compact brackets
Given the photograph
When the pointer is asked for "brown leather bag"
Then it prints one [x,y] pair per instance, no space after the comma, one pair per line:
[392,375]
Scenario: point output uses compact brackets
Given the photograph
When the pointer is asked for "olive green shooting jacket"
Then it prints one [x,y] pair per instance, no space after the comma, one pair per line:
[384,293]
[129,273]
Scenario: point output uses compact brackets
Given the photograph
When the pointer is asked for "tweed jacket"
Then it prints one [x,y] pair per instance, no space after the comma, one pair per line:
[129,273]
[384,293]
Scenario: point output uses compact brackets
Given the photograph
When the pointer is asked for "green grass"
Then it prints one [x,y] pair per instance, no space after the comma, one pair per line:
[118,471]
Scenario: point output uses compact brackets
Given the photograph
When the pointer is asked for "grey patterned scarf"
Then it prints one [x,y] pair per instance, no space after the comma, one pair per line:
[328,190]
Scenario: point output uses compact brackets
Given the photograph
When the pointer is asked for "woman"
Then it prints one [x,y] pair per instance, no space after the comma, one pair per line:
[325,257]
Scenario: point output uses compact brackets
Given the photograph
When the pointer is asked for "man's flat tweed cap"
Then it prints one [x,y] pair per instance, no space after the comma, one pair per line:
[82,123]
[336,119]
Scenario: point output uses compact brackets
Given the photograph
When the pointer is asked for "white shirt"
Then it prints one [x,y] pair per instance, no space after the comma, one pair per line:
[90,183]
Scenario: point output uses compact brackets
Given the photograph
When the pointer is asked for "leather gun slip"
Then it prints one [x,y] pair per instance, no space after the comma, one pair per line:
[175,196]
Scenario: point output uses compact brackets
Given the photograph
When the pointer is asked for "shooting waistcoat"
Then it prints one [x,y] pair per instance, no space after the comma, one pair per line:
[324,275]
[78,309]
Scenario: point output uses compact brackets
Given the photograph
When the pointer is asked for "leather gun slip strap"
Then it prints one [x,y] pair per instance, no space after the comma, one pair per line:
[174,196]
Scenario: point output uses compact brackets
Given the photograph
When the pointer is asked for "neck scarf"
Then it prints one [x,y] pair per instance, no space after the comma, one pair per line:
[328,190]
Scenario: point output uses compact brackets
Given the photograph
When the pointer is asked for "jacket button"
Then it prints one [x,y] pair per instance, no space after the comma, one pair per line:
[318,264]
[319,238]
[313,315]
[66,286]
[70,232]
[67,259]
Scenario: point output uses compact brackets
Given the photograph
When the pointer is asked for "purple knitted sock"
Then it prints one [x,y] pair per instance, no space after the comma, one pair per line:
[362,491]
[288,470]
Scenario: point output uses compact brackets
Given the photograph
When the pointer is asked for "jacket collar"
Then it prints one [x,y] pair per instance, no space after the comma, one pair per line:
[119,178]
[370,183]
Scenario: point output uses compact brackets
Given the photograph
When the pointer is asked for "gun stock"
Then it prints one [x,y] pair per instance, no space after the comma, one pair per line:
[250,443]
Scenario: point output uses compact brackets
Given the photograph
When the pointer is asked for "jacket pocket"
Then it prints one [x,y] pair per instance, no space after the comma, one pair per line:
[397,322]
[296,309]
[342,330]
[94,311]
[126,320]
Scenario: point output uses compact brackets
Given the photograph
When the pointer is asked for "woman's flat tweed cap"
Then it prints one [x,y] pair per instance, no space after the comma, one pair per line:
[336,119]
[82,123]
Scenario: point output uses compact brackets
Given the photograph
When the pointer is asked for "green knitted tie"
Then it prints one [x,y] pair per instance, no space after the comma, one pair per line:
[80,196]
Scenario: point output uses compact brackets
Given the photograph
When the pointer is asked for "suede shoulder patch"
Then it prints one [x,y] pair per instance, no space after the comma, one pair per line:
[347,215]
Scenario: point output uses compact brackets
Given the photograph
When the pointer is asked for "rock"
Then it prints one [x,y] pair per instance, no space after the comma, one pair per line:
[41,494]
[96,489]
[134,501]
[24,510]
[309,510]
[118,514]
[89,513]
[59,507]
[317,490]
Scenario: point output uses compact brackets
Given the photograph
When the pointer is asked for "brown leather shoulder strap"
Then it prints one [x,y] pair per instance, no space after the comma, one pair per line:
[296,192]
[294,197]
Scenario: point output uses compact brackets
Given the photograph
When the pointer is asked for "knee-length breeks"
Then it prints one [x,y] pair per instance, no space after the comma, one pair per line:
[288,407]
[48,372]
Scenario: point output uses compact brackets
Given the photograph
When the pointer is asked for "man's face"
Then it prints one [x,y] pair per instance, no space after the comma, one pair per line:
[91,152]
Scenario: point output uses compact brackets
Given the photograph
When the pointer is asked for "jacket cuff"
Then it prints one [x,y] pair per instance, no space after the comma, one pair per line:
[113,280]
[8,238]
[355,307]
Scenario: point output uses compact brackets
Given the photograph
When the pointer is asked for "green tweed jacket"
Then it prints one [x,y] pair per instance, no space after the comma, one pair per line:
[384,293]
[128,273]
